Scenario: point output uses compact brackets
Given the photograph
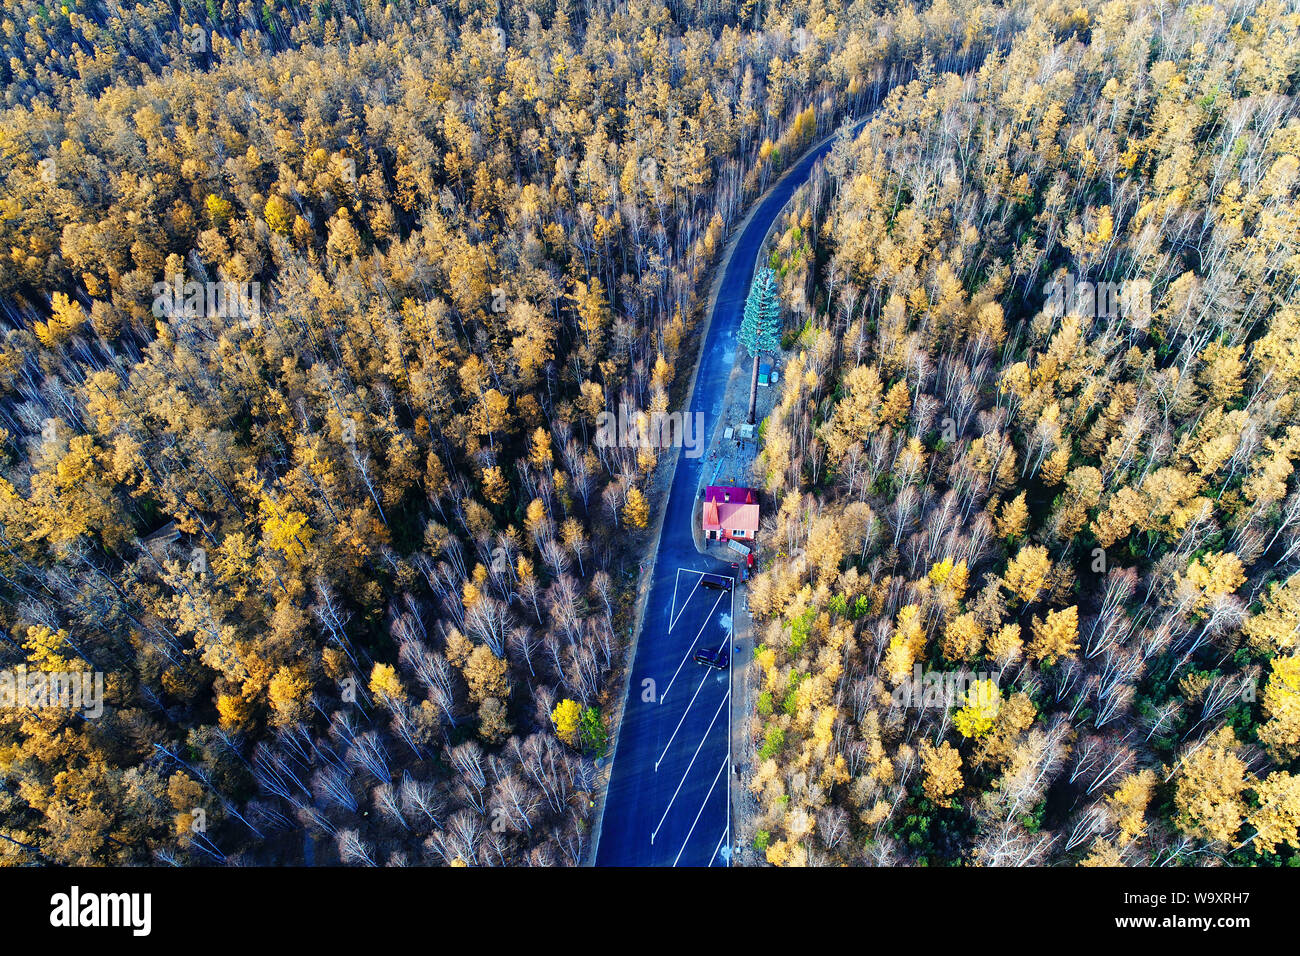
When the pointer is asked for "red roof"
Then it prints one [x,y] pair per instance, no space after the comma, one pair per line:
[730,509]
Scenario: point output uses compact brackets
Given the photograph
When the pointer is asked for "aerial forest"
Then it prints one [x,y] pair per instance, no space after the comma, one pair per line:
[308,313]
[1032,594]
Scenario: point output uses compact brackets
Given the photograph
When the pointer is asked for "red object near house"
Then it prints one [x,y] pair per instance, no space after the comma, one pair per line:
[730,513]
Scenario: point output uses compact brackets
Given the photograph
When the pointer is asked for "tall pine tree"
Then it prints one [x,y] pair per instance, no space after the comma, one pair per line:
[759,330]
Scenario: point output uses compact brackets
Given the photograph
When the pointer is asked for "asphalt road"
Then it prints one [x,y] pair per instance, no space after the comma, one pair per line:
[667,800]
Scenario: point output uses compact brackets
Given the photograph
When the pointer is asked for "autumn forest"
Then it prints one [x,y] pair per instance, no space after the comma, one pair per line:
[308,312]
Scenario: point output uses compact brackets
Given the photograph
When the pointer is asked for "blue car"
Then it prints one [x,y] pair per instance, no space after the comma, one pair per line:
[719,658]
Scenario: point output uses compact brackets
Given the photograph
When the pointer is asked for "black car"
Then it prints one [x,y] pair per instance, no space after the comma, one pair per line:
[717,582]
[719,658]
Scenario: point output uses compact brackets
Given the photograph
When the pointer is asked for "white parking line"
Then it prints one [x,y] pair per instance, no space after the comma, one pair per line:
[691,649]
[672,620]
[682,721]
[701,811]
[672,612]
[731,683]
[655,831]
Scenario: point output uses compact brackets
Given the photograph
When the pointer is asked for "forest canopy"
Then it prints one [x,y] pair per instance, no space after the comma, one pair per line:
[309,310]
[1033,589]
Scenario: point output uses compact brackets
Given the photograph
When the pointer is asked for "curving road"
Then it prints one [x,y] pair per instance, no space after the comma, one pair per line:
[667,801]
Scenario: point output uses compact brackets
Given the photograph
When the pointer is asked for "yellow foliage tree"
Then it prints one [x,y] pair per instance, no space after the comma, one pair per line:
[942,767]
[565,717]
[976,717]
[1055,637]
[1208,797]
[1013,518]
[1277,817]
[1280,733]
[1028,572]
[636,510]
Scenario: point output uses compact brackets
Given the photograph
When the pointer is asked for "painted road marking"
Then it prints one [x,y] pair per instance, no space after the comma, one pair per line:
[673,620]
[691,649]
[723,703]
[721,839]
[680,722]
[701,811]
[672,611]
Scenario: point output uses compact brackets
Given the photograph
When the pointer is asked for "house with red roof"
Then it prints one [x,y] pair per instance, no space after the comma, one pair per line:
[730,513]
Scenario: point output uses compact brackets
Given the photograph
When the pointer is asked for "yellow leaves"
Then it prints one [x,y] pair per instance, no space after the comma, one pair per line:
[495,487]
[766,659]
[898,660]
[1277,353]
[1277,818]
[491,414]
[1129,804]
[1212,576]
[535,517]
[565,717]
[219,210]
[1013,518]
[942,766]
[636,510]
[824,726]
[1280,733]
[856,414]
[1055,637]
[493,721]
[1216,439]
[1103,852]
[76,497]
[289,692]
[233,711]
[1005,645]
[589,301]
[778,854]
[1016,380]
[539,450]
[485,673]
[284,529]
[897,405]
[45,649]
[66,318]
[386,685]
[977,715]
[1268,478]
[1223,373]
[185,796]
[825,548]
[940,571]
[910,461]
[1028,572]
[279,214]
[1164,494]
[1277,625]
[1015,716]
[962,638]
[989,327]
[1208,796]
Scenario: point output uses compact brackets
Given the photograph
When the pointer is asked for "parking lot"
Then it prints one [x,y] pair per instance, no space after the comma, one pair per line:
[694,719]
[681,721]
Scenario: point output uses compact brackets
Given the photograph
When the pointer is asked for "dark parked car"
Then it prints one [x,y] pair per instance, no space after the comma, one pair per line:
[711,658]
[718,582]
